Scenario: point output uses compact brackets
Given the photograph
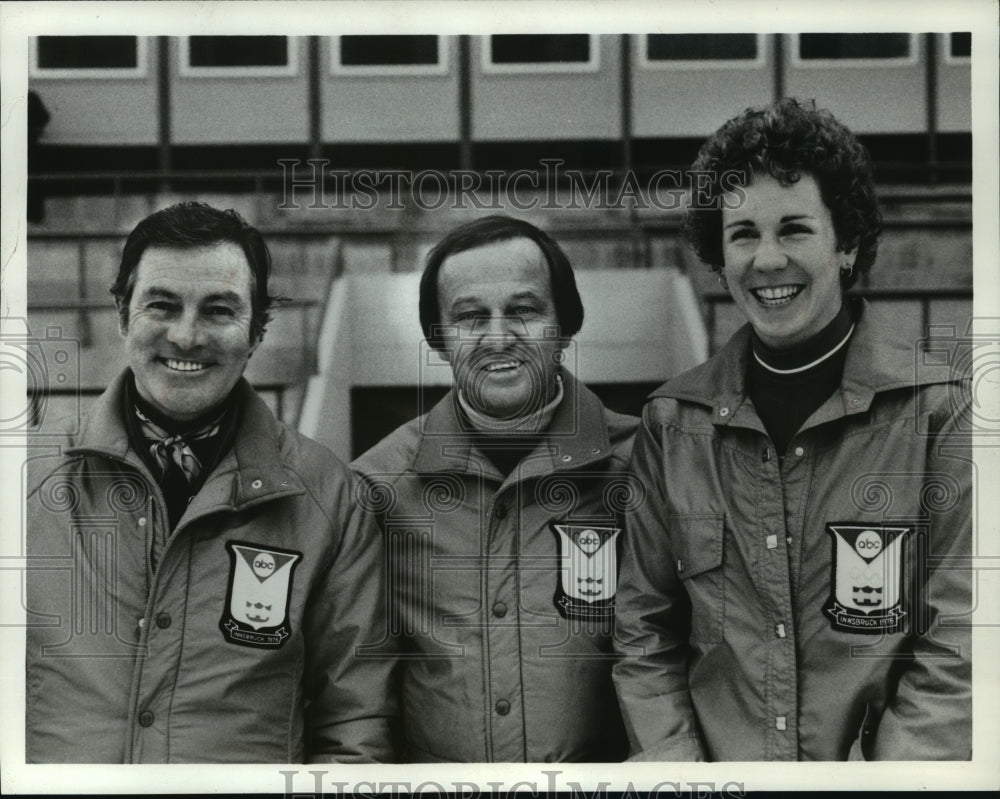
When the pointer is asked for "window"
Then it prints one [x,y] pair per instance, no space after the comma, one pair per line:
[540,52]
[855,48]
[238,51]
[959,46]
[388,55]
[237,56]
[88,56]
[701,49]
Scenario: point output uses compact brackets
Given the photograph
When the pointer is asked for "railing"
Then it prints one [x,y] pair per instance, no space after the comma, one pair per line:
[649,236]
[257,183]
[404,227]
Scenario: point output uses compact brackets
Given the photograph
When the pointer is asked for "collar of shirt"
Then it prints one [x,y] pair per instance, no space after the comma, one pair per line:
[880,357]
[250,471]
[576,436]
[208,450]
[807,356]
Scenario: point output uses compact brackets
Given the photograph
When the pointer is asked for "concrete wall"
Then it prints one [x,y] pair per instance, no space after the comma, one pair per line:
[103,111]
[223,110]
[540,104]
[868,96]
[688,98]
[389,105]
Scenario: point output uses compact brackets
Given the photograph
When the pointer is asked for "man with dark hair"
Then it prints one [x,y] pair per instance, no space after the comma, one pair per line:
[201,584]
[499,507]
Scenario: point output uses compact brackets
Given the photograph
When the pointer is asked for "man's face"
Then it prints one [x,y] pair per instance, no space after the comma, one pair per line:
[499,299]
[188,333]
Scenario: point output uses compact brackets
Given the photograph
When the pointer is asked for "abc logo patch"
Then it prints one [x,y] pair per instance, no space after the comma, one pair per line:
[588,573]
[263,565]
[868,544]
[867,580]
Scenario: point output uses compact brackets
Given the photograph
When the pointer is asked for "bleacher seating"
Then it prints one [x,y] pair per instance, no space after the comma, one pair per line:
[924,265]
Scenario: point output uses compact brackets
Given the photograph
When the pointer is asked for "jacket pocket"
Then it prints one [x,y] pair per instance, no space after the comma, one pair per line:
[697,544]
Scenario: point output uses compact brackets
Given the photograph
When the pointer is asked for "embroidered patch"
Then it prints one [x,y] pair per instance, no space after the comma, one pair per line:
[260,583]
[867,579]
[588,570]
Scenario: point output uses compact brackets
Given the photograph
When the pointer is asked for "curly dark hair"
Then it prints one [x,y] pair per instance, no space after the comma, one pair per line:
[786,140]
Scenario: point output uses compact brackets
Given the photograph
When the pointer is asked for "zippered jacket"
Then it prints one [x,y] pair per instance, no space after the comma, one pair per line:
[814,606]
[245,642]
[504,587]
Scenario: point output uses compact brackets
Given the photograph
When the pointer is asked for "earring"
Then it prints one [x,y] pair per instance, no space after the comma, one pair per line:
[846,271]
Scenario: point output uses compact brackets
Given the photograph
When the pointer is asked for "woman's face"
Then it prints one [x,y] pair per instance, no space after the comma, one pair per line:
[781,259]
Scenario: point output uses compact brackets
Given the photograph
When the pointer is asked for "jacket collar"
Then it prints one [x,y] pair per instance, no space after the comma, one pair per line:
[104,430]
[249,473]
[577,435]
[879,358]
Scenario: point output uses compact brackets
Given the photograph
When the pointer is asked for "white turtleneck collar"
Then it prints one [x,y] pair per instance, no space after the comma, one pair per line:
[534,422]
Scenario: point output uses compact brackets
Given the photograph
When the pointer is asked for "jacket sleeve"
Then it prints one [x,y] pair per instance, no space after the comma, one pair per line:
[930,717]
[651,623]
[351,703]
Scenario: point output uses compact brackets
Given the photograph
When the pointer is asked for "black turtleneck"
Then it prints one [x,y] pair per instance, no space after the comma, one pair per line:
[785,399]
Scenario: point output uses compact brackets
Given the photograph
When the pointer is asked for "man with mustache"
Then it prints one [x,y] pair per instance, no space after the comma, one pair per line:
[200,581]
[499,508]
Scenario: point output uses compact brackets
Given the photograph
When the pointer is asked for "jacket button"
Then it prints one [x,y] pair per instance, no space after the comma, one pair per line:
[146,718]
[723,412]
[256,484]
[502,707]
[142,521]
[499,610]
[680,565]
[500,512]
[567,458]
[799,451]
[163,620]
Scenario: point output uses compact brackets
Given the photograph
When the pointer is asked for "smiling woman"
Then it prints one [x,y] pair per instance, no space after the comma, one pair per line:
[782,260]
[788,239]
[756,574]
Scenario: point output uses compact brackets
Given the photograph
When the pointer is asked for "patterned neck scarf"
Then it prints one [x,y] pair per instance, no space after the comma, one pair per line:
[166,448]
